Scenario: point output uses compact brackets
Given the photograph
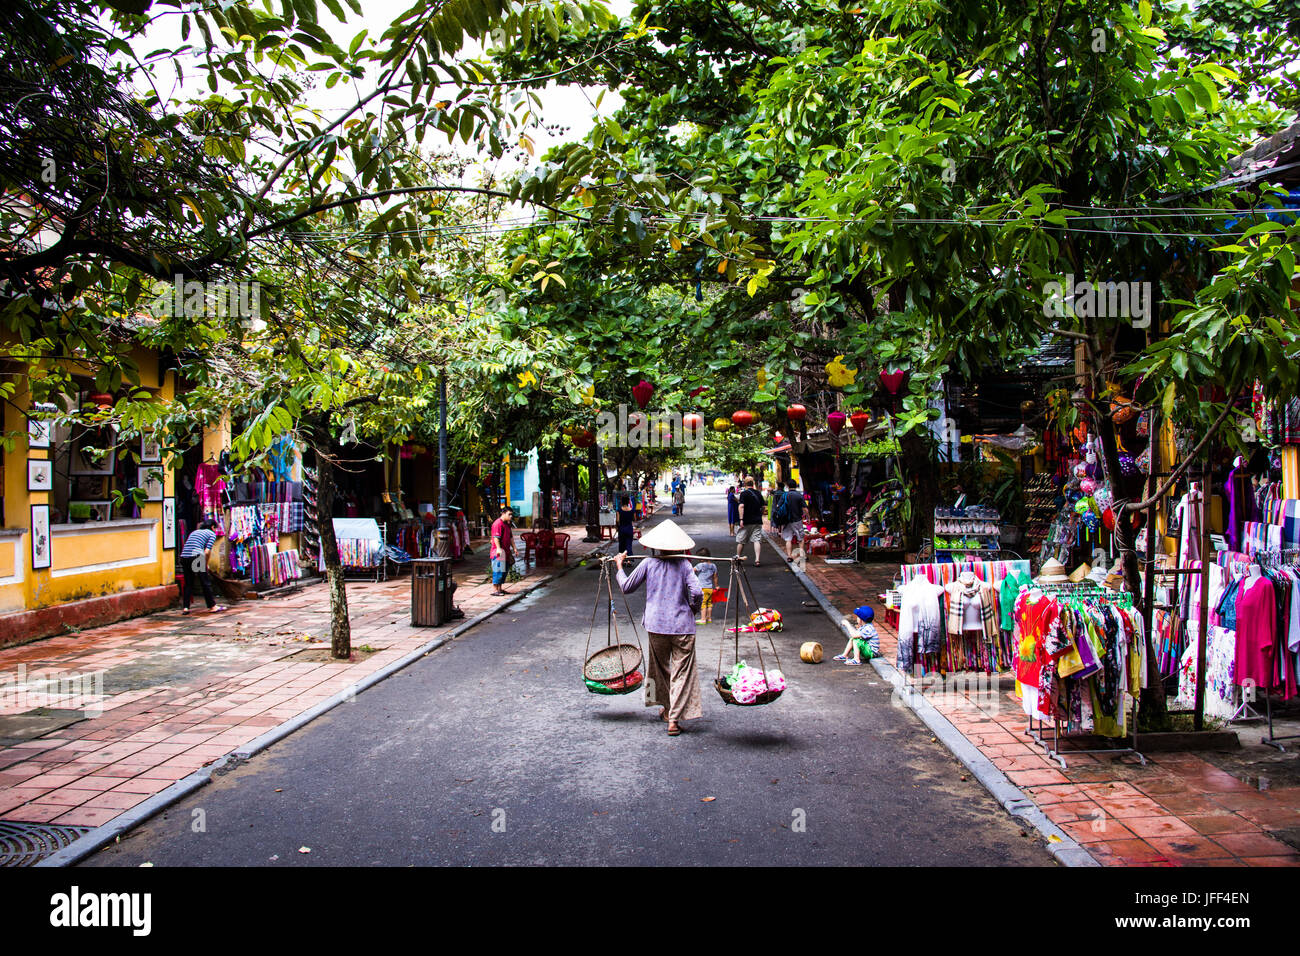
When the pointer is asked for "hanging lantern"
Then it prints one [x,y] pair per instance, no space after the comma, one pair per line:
[859,421]
[1108,519]
[892,380]
[722,425]
[102,399]
[744,418]
[642,391]
[692,422]
[796,413]
[835,422]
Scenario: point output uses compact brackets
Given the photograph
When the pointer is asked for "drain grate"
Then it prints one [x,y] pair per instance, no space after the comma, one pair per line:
[22,844]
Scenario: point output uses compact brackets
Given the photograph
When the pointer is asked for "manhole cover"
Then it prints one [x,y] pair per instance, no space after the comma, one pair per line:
[22,844]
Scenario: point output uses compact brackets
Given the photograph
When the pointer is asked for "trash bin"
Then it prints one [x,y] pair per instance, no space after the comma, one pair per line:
[431,588]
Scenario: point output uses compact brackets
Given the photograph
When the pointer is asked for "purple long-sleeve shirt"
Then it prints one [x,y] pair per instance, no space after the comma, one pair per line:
[672,594]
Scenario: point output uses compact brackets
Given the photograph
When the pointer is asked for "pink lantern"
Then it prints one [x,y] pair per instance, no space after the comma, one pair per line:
[1087,486]
[642,391]
[892,380]
[835,421]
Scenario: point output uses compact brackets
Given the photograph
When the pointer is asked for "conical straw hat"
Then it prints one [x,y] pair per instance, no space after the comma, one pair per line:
[667,536]
[1081,572]
[1052,572]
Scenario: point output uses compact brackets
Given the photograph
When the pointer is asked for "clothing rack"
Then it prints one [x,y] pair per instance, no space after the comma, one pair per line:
[1036,727]
[1272,558]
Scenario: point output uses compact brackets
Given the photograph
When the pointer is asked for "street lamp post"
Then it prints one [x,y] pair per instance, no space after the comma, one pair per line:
[443,540]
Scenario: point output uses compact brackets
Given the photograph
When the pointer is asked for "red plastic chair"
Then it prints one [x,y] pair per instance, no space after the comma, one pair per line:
[562,544]
[530,544]
[545,546]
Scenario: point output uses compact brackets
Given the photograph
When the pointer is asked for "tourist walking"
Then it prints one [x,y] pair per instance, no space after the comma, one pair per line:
[751,522]
[733,511]
[626,524]
[672,598]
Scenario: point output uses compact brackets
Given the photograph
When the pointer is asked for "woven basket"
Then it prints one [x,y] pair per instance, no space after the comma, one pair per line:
[810,652]
[612,662]
[725,693]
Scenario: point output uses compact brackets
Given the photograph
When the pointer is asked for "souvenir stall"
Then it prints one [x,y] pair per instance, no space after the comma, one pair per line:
[1252,638]
[1080,664]
[264,505]
[954,615]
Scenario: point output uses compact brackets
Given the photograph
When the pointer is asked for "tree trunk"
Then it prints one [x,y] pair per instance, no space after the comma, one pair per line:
[594,475]
[916,458]
[340,626]
[1153,708]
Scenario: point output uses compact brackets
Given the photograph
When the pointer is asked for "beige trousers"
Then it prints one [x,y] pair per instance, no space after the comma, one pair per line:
[672,680]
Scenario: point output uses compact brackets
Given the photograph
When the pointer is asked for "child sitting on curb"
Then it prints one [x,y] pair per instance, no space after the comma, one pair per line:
[865,642]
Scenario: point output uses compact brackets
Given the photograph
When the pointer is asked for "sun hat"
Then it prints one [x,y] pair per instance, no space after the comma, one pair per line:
[667,536]
[1053,572]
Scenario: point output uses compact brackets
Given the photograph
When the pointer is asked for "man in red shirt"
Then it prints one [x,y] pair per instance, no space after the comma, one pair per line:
[502,551]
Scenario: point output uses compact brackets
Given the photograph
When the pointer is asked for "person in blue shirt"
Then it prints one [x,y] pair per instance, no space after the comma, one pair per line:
[865,643]
[194,564]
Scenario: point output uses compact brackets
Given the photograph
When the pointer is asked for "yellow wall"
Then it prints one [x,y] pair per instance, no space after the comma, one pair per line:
[87,560]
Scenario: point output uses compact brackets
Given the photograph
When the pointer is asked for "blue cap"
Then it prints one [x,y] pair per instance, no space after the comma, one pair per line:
[865,614]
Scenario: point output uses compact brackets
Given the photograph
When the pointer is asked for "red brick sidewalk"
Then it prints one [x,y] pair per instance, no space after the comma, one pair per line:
[1178,810]
[175,693]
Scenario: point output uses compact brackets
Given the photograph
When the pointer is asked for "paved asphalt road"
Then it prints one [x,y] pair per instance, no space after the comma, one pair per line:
[490,752]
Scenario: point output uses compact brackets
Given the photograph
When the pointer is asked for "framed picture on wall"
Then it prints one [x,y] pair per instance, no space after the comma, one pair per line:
[40,474]
[82,462]
[38,433]
[150,449]
[41,550]
[169,523]
[149,477]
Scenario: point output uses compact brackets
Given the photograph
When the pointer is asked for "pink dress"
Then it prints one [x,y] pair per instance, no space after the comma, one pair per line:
[1256,633]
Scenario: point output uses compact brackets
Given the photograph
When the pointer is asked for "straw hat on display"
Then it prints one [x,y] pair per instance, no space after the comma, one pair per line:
[1053,572]
[667,537]
[1080,573]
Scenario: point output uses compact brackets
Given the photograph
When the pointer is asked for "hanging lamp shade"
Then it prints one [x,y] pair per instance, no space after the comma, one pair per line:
[692,421]
[642,391]
[859,421]
[743,418]
[722,424]
[892,380]
[796,413]
[584,439]
[835,421]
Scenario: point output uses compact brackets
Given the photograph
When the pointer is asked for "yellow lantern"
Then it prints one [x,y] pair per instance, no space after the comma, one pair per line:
[722,424]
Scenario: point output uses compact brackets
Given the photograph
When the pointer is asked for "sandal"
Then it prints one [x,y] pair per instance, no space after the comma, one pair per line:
[852,663]
[674,728]
[840,657]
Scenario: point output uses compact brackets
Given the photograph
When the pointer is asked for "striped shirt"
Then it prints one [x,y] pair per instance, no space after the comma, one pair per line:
[198,541]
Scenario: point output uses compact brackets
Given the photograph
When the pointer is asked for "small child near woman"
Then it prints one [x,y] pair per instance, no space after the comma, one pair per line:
[865,642]
[707,573]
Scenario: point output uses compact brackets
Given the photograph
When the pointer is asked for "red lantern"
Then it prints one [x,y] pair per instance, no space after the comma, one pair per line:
[859,421]
[102,399]
[892,380]
[642,391]
[584,439]
[796,413]
[1108,519]
[743,418]
[692,422]
[835,422]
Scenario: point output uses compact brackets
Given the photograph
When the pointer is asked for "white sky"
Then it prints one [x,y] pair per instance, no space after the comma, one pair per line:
[567,107]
